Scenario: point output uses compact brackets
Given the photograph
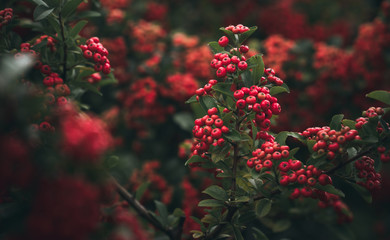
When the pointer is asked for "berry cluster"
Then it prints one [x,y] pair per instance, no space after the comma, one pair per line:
[208,131]
[370,113]
[293,172]
[265,156]
[94,78]
[5,16]
[330,141]
[227,63]
[270,73]
[206,90]
[331,200]
[94,50]
[384,154]
[368,177]
[259,100]
[50,42]
[237,29]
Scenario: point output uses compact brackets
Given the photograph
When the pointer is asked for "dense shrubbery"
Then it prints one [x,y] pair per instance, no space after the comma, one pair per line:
[103,103]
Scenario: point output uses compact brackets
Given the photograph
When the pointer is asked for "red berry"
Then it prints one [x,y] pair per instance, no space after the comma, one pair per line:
[221,72]
[244,48]
[212,111]
[223,41]
[216,133]
[324,179]
[238,94]
[242,65]
[240,103]
[284,166]
[302,179]
[218,123]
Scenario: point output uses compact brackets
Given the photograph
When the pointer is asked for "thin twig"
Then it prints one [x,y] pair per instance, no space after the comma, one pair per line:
[341,165]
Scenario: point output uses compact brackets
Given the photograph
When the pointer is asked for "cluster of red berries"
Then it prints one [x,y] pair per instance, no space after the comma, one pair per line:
[370,113]
[369,178]
[308,176]
[267,154]
[259,100]
[50,42]
[94,78]
[331,200]
[330,141]
[237,29]
[5,16]
[384,154]
[270,77]
[94,50]
[208,131]
[228,63]
[206,90]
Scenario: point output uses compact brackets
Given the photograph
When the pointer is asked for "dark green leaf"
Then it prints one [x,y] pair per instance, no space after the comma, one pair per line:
[244,36]
[87,86]
[223,88]
[380,95]
[349,123]
[279,89]
[195,159]
[41,12]
[191,100]
[40,2]
[233,135]
[363,192]
[282,136]
[70,6]
[330,189]
[210,203]
[237,233]
[281,225]
[196,234]
[229,34]
[184,120]
[215,47]
[263,207]
[141,190]
[216,192]
[162,210]
[77,28]
[258,234]
[336,122]
[257,65]
[88,14]
[207,102]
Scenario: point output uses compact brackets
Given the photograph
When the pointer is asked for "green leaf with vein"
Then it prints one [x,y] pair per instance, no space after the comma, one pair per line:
[216,192]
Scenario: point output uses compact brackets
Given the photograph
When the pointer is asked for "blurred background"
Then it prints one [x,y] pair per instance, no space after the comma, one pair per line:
[329,53]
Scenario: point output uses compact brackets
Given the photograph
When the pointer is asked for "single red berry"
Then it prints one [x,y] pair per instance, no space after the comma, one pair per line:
[221,72]
[231,68]
[216,133]
[239,94]
[212,111]
[224,129]
[223,41]
[267,163]
[244,48]
[240,103]
[302,179]
[242,65]
[250,100]
[324,179]
[284,166]
[284,180]
[250,162]
[218,123]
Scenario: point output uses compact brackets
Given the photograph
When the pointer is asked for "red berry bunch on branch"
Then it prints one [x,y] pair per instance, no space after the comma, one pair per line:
[96,52]
[5,16]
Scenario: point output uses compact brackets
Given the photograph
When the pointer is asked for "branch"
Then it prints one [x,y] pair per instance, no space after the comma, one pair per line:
[173,233]
[341,165]
[65,46]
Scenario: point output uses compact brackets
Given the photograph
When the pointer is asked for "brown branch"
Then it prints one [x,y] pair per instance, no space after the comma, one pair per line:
[341,165]
[173,233]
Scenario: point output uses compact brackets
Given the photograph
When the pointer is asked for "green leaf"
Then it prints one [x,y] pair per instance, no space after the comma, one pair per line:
[87,86]
[282,136]
[348,123]
[336,122]
[263,207]
[210,203]
[196,234]
[380,95]
[281,225]
[363,192]
[229,34]
[40,2]
[77,28]
[233,135]
[216,192]
[244,36]
[41,12]
[195,159]
[215,47]
[237,233]
[257,65]
[162,210]
[330,189]
[184,120]
[258,234]
[70,6]
[207,102]
[223,88]
[141,190]
[88,14]
[279,89]
[191,100]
